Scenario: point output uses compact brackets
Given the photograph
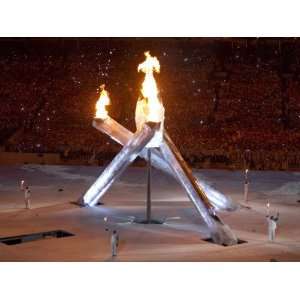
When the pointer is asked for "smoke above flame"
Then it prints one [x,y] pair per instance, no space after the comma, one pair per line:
[101,104]
[153,108]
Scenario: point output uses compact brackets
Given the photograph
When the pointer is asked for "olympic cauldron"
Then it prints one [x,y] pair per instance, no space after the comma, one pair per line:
[165,156]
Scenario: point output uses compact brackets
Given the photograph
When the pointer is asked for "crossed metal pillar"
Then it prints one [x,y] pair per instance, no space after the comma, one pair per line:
[122,135]
[168,159]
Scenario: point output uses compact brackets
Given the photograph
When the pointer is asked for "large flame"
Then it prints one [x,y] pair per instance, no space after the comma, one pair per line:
[154,111]
[101,104]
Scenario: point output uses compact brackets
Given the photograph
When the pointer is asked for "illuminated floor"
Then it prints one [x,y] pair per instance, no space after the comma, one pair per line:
[179,239]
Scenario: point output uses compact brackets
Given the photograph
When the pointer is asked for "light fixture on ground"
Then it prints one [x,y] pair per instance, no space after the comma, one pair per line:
[151,136]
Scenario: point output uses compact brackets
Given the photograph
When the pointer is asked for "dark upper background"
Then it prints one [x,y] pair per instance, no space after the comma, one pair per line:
[220,94]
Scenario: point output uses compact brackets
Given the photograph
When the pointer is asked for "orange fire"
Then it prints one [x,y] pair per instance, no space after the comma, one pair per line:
[150,103]
[101,104]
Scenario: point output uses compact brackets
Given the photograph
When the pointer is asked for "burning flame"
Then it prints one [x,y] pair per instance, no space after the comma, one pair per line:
[154,109]
[101,104]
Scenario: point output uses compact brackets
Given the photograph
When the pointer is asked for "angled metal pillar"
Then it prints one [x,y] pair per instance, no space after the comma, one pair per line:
[220,233]
[119,164]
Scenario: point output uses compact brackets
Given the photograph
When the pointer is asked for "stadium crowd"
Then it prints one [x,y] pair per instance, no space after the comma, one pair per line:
[218,107]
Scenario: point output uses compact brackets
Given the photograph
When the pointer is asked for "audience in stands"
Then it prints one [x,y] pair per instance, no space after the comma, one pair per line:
[48,103]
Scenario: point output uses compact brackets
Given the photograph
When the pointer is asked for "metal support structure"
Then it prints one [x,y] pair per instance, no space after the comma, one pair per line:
[149,187]
[169,156]
[122,135]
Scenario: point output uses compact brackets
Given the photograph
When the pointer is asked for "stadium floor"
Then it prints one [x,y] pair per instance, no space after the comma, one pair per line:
[180,238]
